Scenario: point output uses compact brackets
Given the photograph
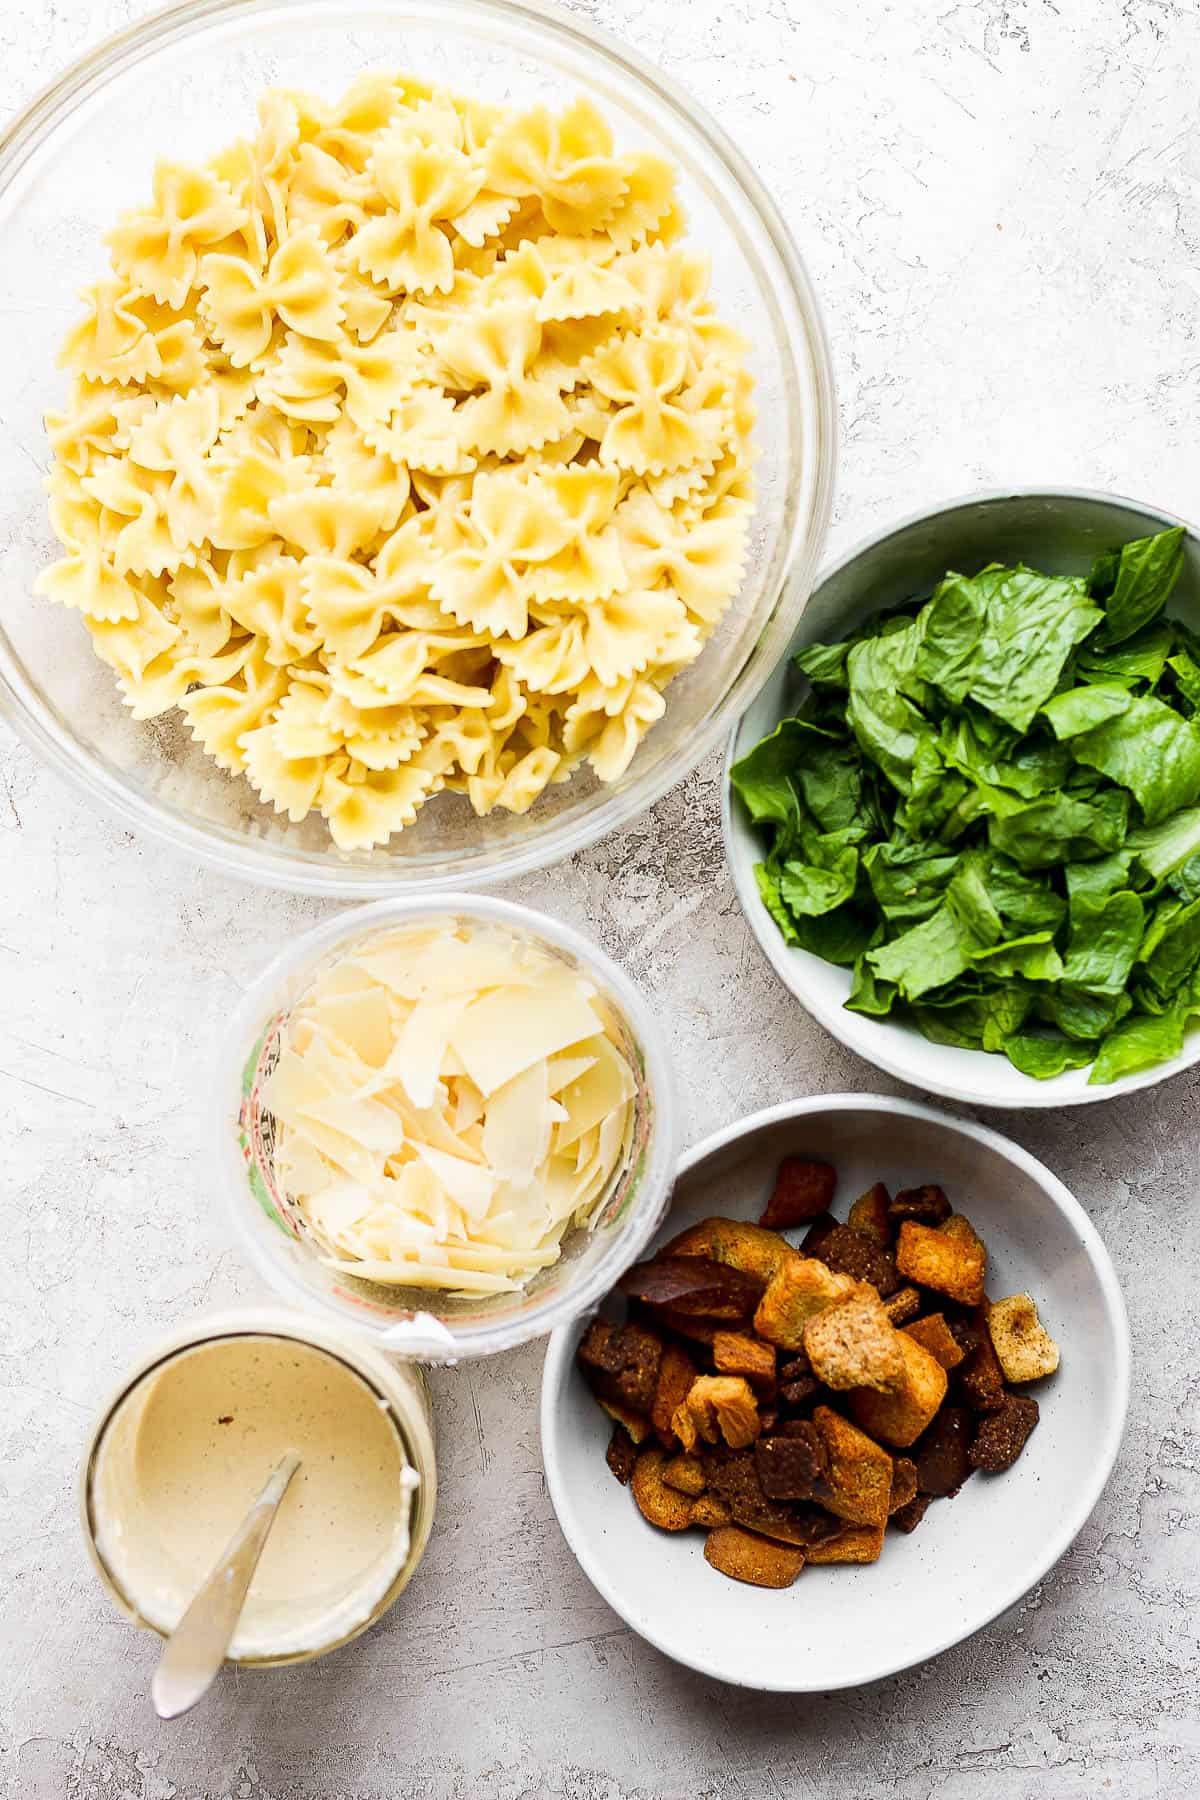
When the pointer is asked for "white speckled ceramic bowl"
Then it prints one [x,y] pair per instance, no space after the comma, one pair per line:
[972,1556]
[1061,531]
[184,82]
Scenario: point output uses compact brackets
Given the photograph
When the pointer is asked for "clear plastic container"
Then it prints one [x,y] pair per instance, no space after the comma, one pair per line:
[400,1390]
[184,82]
[409,1321]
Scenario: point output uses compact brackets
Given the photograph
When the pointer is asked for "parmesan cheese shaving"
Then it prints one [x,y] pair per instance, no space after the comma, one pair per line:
[449,1103]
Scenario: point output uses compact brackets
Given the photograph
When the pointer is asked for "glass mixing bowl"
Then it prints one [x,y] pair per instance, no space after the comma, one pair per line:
[184,82]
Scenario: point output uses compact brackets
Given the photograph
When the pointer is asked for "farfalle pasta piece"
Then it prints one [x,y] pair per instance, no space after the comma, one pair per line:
[406,451]
[158,247]
[300,288]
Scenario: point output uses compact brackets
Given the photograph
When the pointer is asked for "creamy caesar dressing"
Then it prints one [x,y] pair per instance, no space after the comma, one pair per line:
[186,1454]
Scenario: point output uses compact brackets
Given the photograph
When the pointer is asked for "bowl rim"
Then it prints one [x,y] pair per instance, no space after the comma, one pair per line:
[255,860]
[560,1351]
[426,1338]
[1030,1093]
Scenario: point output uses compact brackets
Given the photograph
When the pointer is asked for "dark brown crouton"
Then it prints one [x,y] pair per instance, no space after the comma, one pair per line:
[928,1205]
[966,1328]
[931,1259]
[696,1286]
[733,1478]
[979,1377]
[817,1232]
[940,1453]
[904,1483]
[802,1190]
[789,1464]
[907,1518]
[676,1373]
[620,1363]
[621,1454]
[745,1556]
[903,1305]
[735,1353]
[795,1394]
[934,1335]
[1001,1436]
[851,1252]
[869,1214]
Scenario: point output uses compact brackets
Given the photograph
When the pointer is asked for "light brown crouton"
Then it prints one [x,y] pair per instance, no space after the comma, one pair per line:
[903,1305]
[685,1473]
[869,1214]
[800,1287]
[858,1482]
[710,1511]
[857,1544]
[750,1248]
[900,1417]
[747,1557]
[927,1256]
[636,1424]
[663,1506]
[736,1354]
[1024,1348]
[854,1345]
[933,1334]
[720,1406]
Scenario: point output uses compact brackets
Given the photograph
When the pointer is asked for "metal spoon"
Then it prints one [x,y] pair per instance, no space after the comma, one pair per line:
[195,1650]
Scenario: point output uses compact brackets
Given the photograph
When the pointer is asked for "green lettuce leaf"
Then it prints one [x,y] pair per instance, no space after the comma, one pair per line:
[1186,671]
[1083,708]
[1160,849]
[1062,828]
[1002,637]
[868,994]
[1080,1014]
[1140,1043]
[1170,950]
[908,878]
[1146,572]
[1106,936]
[1045,1057]
[1151,751]
[1142,658]
[926,957]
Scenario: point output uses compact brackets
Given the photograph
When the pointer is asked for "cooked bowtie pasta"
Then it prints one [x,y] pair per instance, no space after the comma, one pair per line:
[450,1101]
[406,452]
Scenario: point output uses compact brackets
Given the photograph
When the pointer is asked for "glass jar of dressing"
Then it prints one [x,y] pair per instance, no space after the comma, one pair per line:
[184,1446]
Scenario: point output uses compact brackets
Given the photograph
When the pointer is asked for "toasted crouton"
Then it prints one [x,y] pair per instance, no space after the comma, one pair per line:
[856,1544]
[686,1473]
[802,1190]
[747,1557]
[961,1230]
[697,1286]
[636,1424]
[853,1253]
[932,1259]
[789,1464]
[676,1373]
[980,1377]
[737,1354]
[855,1345]
[620,1363]
[900,1417]
[750,1248]
[934,1335]
[1023,1346]
[904,1484]
[869,1214]
[733,1477]
[906,1518]
[800,1287]
[721,1406]
[928,1204]
[858,1482]
[1001,1436]
[709,1510]
[940,1454]
[902,1305]
[621,1454]
[663,1506]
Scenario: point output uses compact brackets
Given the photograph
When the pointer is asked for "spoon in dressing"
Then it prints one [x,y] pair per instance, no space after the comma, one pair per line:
[195,1650]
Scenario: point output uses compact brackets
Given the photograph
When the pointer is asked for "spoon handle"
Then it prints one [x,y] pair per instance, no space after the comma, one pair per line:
[196,1648]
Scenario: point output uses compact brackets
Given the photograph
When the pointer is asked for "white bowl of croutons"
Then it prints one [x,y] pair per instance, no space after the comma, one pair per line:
[863,1393]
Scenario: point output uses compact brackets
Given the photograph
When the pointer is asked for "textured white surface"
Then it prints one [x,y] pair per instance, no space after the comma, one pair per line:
[999,204]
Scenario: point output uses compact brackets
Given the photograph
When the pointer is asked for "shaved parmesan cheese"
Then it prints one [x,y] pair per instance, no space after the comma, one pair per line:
[449,1103]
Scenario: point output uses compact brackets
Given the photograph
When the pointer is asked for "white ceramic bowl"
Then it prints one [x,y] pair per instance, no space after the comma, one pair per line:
[972,1556]
[1060,531]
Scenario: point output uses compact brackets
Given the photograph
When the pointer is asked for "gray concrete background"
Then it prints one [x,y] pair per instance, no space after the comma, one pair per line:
[999,204]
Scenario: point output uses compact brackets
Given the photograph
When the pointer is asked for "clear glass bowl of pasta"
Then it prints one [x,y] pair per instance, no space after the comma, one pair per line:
[184,83]
[254,1162]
